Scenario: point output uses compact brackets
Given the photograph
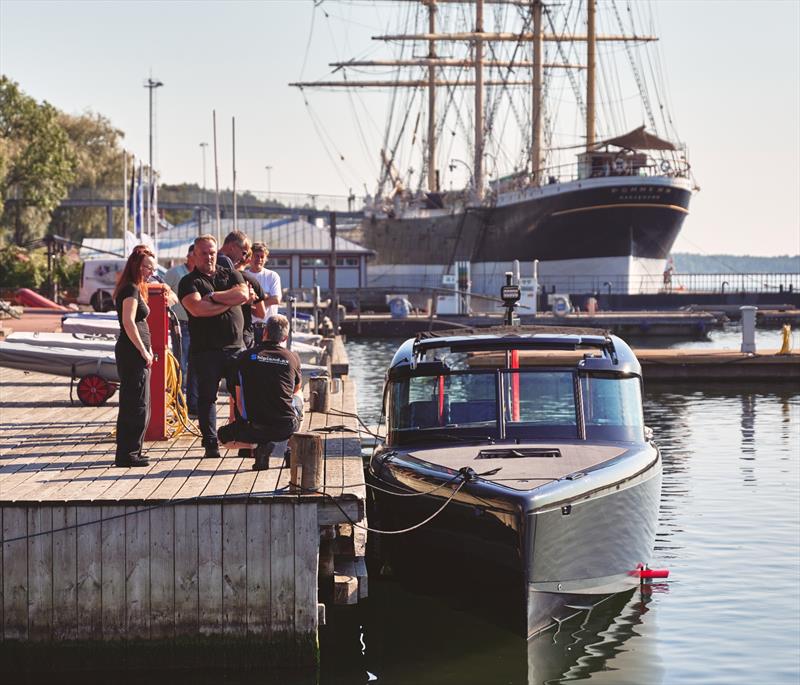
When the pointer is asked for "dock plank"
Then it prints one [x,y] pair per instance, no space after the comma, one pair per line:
[259,553]
[162,571]
[113,583]
[89,543]
[65,573]
[40,573]
[15,573]
[209,572]
[234,568]
[282,574]
[137,572]
[186,581]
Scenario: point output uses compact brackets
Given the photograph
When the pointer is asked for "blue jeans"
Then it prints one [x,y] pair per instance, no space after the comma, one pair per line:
[187,377]
[210,367]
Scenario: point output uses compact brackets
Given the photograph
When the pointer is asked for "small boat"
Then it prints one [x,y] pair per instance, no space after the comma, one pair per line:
[520,451]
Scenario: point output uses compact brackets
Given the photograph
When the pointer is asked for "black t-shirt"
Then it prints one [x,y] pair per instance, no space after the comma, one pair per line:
[247,309]
[213,332]
[268,375]
[142,311]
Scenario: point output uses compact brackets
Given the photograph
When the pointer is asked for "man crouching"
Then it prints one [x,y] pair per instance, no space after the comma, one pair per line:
[268,400]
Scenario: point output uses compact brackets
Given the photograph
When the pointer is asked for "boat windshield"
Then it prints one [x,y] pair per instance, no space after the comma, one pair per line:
[516,404]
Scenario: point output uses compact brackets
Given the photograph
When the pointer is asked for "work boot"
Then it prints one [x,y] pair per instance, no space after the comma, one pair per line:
[212,451]
[245,453]
[130,462]
[263,453]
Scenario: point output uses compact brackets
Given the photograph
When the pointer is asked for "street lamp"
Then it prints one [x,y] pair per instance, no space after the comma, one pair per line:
[151,84]
[269,181]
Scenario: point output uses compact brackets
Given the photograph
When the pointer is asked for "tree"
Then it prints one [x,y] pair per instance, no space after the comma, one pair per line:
[36,162]
[95,144]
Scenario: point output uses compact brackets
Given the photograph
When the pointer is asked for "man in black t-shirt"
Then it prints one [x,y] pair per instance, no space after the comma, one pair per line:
[212,296]
[267,394]
[235,254]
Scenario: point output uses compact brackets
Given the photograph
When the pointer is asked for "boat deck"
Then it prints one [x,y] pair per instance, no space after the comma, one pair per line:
[524,472]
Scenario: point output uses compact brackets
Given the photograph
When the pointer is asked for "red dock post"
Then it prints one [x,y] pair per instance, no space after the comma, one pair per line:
[157,321]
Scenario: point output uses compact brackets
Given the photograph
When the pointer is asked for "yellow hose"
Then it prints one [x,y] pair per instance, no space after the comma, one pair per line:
[786,347]
[177,412]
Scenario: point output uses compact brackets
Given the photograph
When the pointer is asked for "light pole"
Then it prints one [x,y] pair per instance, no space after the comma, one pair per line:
[151,84]
[203,147]
[269,181]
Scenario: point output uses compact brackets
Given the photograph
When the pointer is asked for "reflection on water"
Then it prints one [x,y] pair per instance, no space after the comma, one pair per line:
[729,531]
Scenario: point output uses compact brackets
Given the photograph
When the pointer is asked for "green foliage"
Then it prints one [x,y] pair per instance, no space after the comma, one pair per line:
[37,162]
[98,167]
[22,268]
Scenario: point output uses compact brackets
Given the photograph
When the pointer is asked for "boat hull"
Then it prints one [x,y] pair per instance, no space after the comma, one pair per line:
[611,222]
[578,556]
[557,553]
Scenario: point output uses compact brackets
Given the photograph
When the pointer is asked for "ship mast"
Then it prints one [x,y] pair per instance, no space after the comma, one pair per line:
[478,166]
[432,180]
[536,95]
[590,73]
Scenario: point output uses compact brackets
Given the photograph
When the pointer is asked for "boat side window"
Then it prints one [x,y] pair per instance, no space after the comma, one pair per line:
[613,408]
[540,403]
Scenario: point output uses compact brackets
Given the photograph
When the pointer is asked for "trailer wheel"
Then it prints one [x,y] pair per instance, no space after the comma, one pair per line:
[101,301]
[94,390]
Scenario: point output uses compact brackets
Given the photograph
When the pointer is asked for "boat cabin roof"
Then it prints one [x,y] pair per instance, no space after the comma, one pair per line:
[603,351]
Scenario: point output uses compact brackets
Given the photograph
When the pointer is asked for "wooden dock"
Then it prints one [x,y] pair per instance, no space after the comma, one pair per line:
[682,365]
[186,548]
[655,323]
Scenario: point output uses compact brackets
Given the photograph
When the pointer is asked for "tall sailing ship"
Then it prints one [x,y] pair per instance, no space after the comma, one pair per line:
[533,96]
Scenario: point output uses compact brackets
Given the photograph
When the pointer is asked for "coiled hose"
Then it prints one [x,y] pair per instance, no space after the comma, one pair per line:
[177,411]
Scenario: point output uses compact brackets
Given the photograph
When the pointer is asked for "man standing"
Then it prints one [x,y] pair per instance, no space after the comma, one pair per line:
[213,297]
[173,278]
[234,255]
[267,394]
[270,282]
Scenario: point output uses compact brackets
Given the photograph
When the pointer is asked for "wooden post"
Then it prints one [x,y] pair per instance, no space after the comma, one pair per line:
[306,463]
[319,398]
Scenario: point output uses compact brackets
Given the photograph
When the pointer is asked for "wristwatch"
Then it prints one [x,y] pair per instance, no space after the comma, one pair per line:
[211,298]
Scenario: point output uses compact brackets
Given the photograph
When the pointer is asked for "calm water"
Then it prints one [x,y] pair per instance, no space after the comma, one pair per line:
[729,533]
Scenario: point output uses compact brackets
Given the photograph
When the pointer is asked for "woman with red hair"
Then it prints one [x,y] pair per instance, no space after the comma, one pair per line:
[134,357]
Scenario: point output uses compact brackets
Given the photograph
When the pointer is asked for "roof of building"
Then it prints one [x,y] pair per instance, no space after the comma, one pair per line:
[288,235]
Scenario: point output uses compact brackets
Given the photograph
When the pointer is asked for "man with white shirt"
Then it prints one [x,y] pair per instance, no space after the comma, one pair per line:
[270,283]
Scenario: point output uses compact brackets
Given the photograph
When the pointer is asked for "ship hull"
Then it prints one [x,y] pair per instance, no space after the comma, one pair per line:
[609,223]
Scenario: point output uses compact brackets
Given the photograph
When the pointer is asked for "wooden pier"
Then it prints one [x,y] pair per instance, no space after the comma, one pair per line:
[682,365]
[656,323]
[186,548]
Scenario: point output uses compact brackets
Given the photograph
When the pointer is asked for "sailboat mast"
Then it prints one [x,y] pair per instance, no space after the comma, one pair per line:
[536,102]
[432,185]
[478,166]
[590,73]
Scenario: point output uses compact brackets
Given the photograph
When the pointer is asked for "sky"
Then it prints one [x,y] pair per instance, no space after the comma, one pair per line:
[733,70]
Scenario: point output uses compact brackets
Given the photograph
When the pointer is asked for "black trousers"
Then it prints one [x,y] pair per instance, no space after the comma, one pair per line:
[211,366]
[134,402]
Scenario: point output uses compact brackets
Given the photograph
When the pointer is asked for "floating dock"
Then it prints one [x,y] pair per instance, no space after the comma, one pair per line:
[685,365]
[674,324]
[186,549]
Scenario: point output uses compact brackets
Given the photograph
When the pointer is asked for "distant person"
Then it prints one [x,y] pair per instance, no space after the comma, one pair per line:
[270,282]
[134,356]
[268,396]
[668,272]
[213,297]
[188,382]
